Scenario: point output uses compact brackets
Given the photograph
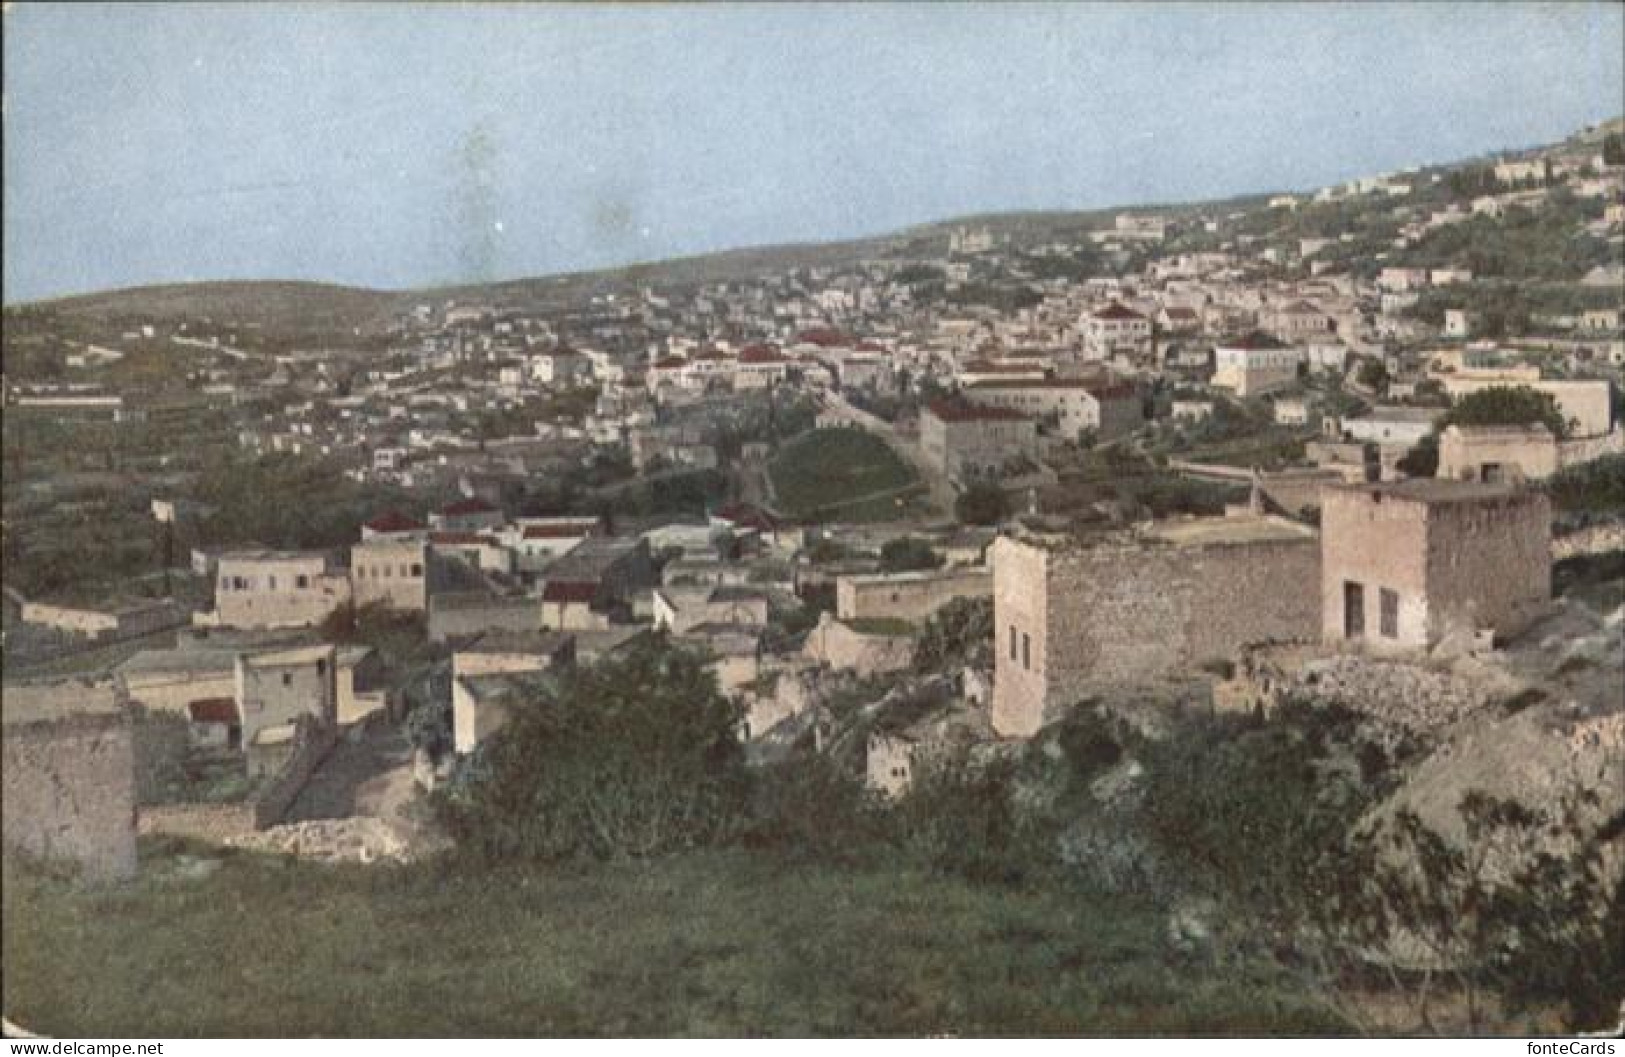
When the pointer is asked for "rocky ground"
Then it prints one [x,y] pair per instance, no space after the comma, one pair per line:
[361,805]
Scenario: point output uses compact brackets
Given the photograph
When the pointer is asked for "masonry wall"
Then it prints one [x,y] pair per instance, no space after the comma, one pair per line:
[69,793]
[1377,545]
[1489,564]
[840,647]
[287,604]
[494,614]
[1073,620]
[908,596]
[175,691]
[1524,454]
[391,574]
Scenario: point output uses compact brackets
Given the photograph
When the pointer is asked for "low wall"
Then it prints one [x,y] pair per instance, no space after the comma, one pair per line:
[839,646]
[1594,539]
[219,823]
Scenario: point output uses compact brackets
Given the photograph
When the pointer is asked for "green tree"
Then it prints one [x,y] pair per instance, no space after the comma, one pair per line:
[1373,374]
[1508,406]
[634,756]
[982,504]
[958,634]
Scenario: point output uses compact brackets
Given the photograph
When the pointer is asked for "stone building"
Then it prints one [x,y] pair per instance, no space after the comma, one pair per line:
[1255,364]
[69,775]
[1408,563]
[966,442]
[1075,614]
[911,596]
[277,589]
[1106,409]
[391,573]
[479,704]
[1496,454]
[276,689]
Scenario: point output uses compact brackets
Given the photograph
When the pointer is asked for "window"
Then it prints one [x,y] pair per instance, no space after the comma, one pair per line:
[287,678]
[273,582]
[1388,604]
[1012,642]
[302,581]
[403,572]
[321,667]
[417,570]
[1026,652]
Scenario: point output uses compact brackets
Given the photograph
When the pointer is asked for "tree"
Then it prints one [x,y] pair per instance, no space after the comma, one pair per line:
[958,634]
[1613,149]
[1373,374]
[982,503]
[1423,459]
[907,554]
[634,756]
[1508,406]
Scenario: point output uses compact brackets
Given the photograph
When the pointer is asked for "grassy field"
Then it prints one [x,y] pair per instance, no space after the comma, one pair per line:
[709,944]
[828,473]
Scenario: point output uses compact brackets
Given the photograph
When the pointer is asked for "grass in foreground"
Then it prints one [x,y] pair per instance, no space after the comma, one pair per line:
[707,944]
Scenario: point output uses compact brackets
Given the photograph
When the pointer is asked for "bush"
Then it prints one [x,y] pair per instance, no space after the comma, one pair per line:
[907,554]
[1508,406]
[982,504]
[811,809]
[959,634]
[637,755]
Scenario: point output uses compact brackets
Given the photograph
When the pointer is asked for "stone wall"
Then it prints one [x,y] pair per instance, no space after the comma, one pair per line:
[211,823]
[1489,565]
[839,646]
[910,596]
[459,616]
[69,792]
[221,823]
[1070,620]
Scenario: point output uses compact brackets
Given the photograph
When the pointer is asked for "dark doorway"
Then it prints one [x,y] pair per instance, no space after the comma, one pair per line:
[1353,610]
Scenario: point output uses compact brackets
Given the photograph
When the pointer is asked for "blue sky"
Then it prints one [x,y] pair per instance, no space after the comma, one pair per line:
[399,146]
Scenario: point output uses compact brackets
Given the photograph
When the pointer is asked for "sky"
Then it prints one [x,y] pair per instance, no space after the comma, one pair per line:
[407,145]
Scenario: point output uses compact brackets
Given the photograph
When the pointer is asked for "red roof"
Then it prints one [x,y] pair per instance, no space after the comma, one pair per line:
[869,346]
[1117,311]
[762,354]
[824,337]
[569,591]
[666,363]
[213,710]
[949,411]
[393,521]
[469,506]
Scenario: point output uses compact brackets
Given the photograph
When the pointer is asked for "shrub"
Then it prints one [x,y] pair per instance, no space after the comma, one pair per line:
[634,756]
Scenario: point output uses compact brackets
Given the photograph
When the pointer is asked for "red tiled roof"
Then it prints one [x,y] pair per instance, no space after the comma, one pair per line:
[666,363]
[949,411]
[824,337]
[1116,310]
[567,591]
[762,354]
[393,521]
[213,710]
